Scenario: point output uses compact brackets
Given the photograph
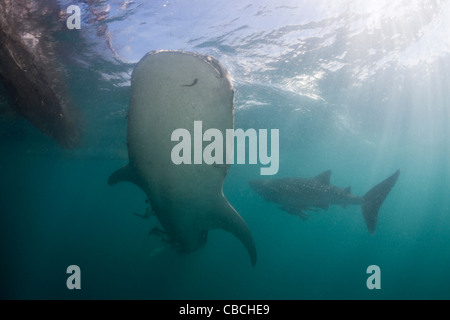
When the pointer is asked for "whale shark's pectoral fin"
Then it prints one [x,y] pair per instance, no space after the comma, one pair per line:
[126,173]
[225,217]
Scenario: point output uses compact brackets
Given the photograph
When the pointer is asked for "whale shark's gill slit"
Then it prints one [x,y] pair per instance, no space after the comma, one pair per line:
[192,84]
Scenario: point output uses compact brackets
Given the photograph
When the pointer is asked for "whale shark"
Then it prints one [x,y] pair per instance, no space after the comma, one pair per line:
[299,195]
[171,90]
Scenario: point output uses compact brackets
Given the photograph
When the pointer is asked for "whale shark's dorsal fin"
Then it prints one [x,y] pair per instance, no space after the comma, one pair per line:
[324,177]
[348,190]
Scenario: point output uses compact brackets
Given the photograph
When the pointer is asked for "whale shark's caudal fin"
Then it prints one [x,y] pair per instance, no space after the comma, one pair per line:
[373,200]
[225,217]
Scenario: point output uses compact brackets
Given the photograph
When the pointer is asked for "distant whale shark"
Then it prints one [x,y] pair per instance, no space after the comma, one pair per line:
[297,195]
[171,90]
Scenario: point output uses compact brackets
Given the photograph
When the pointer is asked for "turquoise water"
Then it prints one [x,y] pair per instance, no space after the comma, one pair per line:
[359,89]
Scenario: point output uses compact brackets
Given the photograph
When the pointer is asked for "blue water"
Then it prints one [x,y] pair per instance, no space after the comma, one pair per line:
[359,89]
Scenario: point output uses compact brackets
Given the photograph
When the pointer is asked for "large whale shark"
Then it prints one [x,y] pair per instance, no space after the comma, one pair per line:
[171,90]
[298,195]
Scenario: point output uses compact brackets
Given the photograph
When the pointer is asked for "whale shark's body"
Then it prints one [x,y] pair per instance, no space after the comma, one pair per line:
[171,90]
[298,195]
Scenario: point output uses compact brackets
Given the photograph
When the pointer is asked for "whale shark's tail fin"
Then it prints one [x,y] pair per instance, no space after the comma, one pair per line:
[373,200]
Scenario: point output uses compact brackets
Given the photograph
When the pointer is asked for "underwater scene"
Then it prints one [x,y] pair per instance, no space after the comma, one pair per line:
[337,185]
